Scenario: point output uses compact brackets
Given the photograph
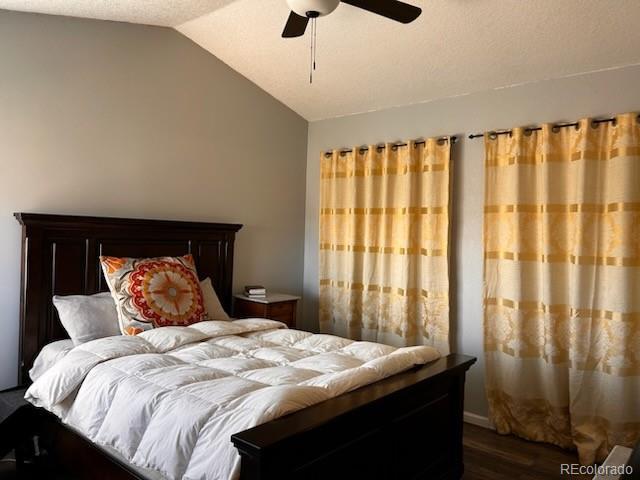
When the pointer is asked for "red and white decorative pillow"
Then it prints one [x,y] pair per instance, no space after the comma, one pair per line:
[154,292]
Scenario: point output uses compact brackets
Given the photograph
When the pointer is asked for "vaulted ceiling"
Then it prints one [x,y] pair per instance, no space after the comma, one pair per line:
[366,62]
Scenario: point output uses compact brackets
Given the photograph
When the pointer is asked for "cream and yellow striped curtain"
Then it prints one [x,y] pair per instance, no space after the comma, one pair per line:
[562,284]
[384,244]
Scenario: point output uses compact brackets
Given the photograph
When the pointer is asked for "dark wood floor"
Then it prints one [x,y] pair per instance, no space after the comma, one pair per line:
[490,456]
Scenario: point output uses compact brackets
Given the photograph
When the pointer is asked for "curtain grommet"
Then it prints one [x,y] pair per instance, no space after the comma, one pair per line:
[492,135]
[555,129]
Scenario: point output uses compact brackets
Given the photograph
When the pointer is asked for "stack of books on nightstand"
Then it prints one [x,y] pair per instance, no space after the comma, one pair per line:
[255,291]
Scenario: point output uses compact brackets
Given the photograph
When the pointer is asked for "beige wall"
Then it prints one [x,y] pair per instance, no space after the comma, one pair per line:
[106,118]
[566,99]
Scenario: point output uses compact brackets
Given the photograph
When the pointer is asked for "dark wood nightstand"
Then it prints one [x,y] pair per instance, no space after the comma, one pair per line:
[275,306]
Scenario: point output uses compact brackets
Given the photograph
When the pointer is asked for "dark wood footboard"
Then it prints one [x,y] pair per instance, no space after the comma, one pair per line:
[408,426]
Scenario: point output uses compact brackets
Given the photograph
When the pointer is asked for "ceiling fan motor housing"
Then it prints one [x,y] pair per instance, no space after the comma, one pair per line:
[313,8]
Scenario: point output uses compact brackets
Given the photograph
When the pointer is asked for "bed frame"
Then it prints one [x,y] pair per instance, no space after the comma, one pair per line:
[406,426]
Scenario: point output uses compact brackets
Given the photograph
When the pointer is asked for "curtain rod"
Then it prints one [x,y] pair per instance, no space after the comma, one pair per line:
[453,139]
[533,129]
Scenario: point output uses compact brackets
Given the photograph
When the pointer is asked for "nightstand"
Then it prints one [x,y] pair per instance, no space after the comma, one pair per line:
[275,306]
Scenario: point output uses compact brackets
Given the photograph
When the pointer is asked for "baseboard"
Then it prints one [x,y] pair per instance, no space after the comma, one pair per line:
[479,420]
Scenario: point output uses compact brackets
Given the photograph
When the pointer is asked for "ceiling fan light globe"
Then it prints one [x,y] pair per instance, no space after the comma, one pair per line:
[323,7]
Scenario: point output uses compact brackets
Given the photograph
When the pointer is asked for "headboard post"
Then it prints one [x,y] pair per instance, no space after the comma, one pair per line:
[60,257]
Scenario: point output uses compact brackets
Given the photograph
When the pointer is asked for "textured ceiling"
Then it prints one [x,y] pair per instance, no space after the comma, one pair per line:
[168,13]
[367,63]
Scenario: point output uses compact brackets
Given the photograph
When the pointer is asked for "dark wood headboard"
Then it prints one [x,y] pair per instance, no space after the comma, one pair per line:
[60,257]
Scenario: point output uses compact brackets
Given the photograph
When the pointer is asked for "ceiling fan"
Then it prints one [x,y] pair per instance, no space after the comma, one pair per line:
[304,10]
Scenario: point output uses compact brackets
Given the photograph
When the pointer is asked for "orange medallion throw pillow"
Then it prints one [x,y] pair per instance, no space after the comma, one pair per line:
[154,292]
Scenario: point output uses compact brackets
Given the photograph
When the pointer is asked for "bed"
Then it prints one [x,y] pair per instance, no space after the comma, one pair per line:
[408,425]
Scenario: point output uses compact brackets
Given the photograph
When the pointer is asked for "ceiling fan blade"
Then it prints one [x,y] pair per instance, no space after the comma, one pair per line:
[393,9]
[295,27]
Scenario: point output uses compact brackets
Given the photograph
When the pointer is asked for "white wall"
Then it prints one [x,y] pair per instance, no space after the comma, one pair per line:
[601,93]
[104,118]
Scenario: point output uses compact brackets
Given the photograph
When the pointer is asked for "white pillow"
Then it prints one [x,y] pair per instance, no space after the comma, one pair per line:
[87,318]
[212,303]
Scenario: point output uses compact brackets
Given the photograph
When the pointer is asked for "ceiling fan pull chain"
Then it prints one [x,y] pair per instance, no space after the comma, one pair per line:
[315,41]
[311,52]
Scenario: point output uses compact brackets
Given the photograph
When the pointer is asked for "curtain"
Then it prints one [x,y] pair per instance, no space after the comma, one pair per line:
[562,284]
[384,244]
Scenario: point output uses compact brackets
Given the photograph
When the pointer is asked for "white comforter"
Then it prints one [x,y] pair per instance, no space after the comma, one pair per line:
[169,399]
